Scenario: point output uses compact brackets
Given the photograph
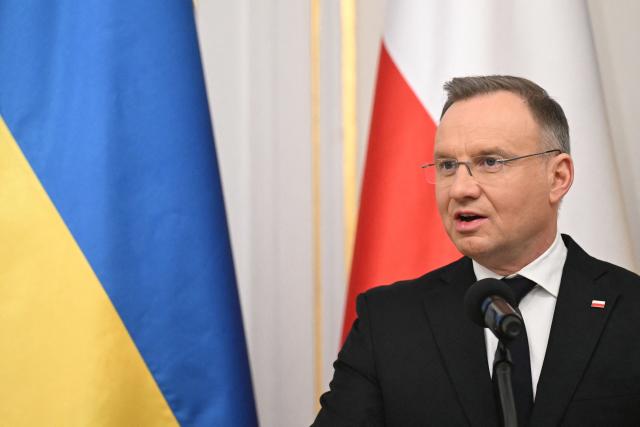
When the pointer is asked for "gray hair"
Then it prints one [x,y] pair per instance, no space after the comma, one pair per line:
[545,110]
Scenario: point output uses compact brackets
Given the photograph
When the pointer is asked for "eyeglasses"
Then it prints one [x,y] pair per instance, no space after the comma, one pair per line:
[483,168]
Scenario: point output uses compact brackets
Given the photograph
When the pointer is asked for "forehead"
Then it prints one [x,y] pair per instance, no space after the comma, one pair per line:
[499,121]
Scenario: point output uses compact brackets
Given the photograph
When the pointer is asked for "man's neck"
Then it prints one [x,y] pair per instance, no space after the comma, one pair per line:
[506,267]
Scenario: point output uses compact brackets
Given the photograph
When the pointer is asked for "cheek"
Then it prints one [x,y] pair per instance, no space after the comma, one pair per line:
[536,210]
[442,201]
[516,210]
[508,206]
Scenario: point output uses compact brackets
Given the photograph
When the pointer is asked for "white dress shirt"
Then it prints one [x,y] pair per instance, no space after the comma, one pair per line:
[536,307]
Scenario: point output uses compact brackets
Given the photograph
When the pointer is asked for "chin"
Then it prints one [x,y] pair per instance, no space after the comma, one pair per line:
[472,246]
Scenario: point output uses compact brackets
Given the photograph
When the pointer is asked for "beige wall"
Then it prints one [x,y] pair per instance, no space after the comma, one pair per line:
[616,38]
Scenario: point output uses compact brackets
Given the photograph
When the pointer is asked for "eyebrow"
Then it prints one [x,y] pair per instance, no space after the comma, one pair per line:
[493,151]
[489,151]
[442,156]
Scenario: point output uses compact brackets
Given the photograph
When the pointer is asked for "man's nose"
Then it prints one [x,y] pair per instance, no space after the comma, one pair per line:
[466,166]
[464,184]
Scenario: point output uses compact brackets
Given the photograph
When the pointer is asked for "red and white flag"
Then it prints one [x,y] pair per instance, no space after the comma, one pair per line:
[428,42]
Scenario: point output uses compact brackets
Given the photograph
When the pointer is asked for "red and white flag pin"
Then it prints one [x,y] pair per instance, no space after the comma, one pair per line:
[596,303]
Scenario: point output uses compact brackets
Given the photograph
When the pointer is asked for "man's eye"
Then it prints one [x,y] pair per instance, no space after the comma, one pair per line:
[488,162]
[447,165]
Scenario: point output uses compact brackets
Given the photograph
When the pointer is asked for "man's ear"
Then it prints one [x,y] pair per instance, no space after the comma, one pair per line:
[560,177]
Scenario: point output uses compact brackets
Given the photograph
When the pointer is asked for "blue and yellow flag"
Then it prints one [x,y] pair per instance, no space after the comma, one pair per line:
[118,303]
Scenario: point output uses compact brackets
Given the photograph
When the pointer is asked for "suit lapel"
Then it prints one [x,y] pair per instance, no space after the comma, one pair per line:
[574,334]
[461,343]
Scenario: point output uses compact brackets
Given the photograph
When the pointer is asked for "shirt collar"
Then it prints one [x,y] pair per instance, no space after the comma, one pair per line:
[546,270]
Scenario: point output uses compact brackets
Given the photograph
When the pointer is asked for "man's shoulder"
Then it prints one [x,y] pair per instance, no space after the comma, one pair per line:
[402,302]
[579,257]
[618,271]
[601,271]
[408,288]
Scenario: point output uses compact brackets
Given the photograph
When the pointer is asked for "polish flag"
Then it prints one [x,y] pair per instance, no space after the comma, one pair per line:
[428,42]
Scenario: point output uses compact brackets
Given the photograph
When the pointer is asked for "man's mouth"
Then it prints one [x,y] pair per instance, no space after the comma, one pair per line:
[468,221]
[468,218]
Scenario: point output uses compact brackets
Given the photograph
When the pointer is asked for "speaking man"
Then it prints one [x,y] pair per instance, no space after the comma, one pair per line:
[501,167]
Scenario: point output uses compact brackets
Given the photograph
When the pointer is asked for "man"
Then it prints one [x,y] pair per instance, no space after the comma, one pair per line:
[501,167]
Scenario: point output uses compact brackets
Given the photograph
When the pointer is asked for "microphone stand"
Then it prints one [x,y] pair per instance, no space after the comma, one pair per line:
[502,368]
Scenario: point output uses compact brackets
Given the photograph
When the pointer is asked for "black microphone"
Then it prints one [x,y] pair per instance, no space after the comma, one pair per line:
[489,303]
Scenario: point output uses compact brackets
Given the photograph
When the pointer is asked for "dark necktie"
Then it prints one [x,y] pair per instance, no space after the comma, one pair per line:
[521,367]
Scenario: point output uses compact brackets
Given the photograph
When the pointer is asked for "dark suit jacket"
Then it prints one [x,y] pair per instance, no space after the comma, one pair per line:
[414,359]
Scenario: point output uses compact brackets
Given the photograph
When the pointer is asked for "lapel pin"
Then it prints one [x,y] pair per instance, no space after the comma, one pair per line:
[597,303]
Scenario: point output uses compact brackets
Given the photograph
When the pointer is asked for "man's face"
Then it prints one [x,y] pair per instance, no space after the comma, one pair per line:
[508,221]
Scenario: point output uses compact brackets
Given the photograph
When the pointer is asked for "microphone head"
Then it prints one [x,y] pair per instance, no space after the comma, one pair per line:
[480,291]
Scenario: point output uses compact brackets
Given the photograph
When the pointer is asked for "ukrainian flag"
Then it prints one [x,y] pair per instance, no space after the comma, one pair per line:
[118,303]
